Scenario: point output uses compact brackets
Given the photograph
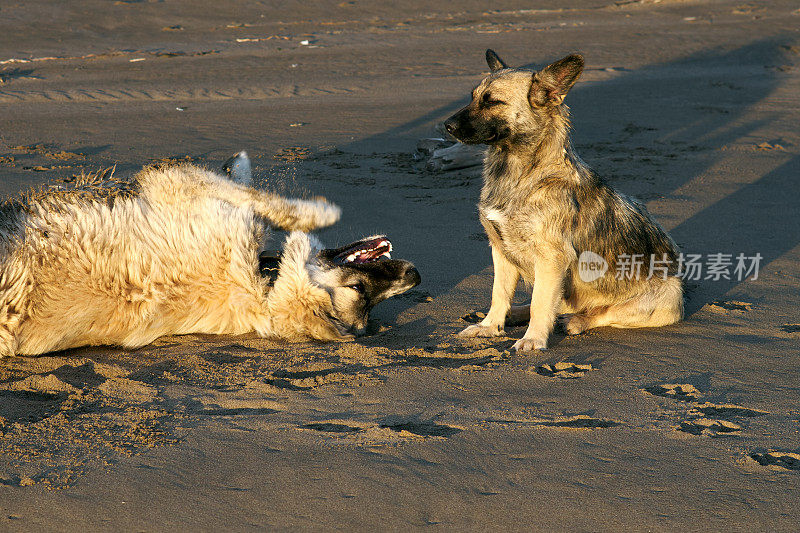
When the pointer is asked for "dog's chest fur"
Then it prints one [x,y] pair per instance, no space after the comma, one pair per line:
[518,214]
[529,211]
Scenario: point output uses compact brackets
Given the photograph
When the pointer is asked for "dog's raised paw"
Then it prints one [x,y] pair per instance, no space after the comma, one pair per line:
[316,213]
[327,213]
[479,330]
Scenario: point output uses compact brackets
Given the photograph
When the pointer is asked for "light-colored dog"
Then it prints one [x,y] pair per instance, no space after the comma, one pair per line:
[175,250]
[542,208]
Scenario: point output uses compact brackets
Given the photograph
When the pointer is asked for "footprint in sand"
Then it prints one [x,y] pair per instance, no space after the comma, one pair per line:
[562,370]
[474,317]
[676,391]
[383,432]
[310,379]
[727,409]
[580,422]
[787,460]
[569,422]
[698,421]
[422,429]
[728,306]
[698,424]
[707,426]
[16,480]
[334,427]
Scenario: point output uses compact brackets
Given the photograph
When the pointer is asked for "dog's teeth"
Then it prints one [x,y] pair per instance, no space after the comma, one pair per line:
[387,255]
[351,258]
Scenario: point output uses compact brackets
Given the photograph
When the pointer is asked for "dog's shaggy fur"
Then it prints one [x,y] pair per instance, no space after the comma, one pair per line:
[172,250]
[541,207]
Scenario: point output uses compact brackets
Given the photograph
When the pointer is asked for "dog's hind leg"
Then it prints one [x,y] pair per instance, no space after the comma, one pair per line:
[290,214]
[504,285]
[8,340]
[659,307]
[15,287]
[282,213]
[169,187]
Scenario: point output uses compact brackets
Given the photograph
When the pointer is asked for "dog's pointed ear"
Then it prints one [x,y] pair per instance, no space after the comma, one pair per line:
[551,84]
[494,61]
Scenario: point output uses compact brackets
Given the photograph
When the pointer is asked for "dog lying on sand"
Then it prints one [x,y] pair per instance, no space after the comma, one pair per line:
[543,209]
[175,250]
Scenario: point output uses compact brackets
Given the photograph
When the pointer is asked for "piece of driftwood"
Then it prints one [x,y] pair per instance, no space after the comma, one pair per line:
[426,147]
[443,152]
[456,157]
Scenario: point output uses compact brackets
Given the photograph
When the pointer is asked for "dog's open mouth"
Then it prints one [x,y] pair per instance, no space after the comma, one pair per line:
[366,251]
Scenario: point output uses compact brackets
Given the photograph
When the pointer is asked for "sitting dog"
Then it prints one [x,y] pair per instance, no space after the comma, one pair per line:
[544,209]
[174,250]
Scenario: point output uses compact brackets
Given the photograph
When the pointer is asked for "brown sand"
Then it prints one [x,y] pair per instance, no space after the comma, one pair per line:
[691,106]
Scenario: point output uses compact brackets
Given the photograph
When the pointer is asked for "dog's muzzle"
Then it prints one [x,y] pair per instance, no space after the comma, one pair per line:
[412,277]
[471,130]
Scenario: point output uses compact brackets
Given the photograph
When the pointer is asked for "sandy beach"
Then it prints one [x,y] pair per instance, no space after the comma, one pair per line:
[691,106]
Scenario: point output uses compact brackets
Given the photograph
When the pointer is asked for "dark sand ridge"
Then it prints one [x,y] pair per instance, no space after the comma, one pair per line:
[413,427]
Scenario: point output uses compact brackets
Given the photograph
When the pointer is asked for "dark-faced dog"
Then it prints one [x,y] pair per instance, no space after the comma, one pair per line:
[357,276]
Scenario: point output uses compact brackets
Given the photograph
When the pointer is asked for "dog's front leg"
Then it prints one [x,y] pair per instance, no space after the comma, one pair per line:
[504,285]
[547,294]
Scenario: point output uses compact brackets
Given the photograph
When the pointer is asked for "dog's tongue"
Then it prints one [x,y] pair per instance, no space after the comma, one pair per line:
[366,251]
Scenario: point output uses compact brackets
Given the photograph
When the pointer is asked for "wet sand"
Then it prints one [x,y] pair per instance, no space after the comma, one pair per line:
[690,106]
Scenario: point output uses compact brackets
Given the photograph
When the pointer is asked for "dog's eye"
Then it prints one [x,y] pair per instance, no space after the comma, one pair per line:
[358,287]
[488,101]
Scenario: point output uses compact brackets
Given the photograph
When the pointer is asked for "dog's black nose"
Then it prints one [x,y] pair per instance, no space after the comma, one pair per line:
[412,276]
[450,125]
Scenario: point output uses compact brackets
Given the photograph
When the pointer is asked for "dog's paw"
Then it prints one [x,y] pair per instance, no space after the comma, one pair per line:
[326,212]
[530,344]
[573,324]
[479,330]
[316,213]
